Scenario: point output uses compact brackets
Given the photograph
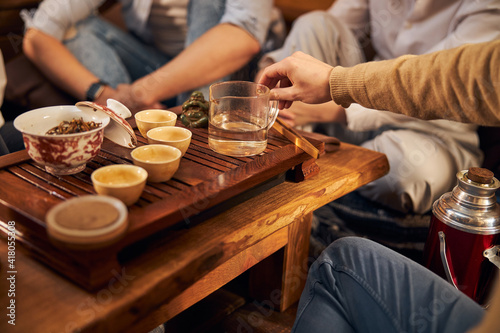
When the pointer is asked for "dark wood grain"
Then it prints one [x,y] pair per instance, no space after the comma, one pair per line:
[14,158]
[177,266]
[267,277]
[205,184]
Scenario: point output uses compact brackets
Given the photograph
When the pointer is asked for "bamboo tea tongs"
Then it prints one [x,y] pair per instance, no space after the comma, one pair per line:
[291,134]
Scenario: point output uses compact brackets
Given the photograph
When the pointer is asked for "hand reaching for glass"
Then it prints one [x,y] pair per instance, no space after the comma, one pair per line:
[300,78]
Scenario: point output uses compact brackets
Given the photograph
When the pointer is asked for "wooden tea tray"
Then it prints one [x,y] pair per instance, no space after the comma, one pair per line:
[205,184]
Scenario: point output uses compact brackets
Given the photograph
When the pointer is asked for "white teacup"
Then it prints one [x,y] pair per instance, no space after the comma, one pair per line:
[122,181]
[160,161]
[177,137]
[148,119]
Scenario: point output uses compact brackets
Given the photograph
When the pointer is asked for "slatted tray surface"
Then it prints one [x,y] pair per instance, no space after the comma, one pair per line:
[206,181]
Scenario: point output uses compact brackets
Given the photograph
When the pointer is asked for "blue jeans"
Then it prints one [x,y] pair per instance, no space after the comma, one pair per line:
[357,285]
[202,16]
[116,56]
[112,54]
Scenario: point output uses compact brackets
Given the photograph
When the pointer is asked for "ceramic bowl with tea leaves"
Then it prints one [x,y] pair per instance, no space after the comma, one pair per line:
[70,147]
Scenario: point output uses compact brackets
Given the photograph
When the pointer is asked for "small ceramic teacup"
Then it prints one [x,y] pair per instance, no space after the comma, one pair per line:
[122,181]
[160,161]
[177,137]
[149,119]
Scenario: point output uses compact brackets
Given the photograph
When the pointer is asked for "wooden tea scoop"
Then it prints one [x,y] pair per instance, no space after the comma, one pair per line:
[331,143]
[14,158]
[291,134]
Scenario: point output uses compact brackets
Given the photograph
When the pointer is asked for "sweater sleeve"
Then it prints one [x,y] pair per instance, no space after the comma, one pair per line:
[461,84]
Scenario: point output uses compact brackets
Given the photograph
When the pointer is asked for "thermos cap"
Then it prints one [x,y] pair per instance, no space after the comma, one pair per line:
[471,206]
[480,175]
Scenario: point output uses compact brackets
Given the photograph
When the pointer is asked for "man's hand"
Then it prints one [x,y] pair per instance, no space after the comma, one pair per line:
[300,77]
[135,99]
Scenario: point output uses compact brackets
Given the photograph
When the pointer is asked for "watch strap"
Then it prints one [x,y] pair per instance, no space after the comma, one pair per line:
[95,90]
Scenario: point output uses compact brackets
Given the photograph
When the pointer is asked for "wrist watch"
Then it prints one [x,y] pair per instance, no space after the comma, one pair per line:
[95,90]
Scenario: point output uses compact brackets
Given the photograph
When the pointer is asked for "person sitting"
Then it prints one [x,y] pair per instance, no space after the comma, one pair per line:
[173,46]
[357,285]
[424,156]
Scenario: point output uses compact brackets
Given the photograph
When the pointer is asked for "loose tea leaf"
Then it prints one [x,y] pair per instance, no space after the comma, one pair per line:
[73,126]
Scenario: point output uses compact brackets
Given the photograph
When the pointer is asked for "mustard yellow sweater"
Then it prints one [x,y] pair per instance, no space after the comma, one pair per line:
[461,84]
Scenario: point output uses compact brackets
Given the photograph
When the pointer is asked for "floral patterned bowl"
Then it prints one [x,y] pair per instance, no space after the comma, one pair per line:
[61,154]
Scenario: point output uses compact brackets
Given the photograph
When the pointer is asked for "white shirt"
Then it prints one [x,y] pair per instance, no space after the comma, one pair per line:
[168,25]
[55,17]
[401,27]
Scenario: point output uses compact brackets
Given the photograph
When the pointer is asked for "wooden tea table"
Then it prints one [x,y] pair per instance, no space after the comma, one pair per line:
[173,269]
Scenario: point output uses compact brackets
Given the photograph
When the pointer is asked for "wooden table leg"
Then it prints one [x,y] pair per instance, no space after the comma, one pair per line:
[277,282]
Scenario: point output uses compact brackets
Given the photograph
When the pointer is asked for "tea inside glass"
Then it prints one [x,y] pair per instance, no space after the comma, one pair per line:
[239,118]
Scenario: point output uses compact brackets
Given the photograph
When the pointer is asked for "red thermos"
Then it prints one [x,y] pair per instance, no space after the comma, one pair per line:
[463,245]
